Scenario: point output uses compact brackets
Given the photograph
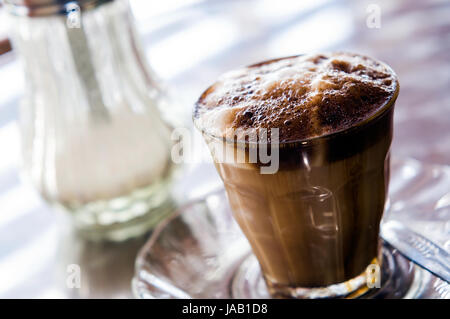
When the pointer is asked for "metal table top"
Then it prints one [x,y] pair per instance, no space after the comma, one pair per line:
[189,45]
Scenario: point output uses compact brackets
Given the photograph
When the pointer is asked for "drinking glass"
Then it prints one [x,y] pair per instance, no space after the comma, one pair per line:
[314,223]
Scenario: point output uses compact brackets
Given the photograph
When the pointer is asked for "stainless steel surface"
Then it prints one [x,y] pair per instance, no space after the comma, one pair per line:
[189,44]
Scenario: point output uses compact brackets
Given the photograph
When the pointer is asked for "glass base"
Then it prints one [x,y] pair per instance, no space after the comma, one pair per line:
[123,217]
[397,276]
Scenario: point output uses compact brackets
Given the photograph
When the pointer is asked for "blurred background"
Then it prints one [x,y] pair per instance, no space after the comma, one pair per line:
[188,43]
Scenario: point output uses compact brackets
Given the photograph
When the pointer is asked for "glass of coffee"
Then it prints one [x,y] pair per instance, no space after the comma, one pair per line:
[302,146]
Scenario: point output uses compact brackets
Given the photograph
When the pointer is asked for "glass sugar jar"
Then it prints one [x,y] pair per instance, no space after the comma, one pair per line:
[93,139]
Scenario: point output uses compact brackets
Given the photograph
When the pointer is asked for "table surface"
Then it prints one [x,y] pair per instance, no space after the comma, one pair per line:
[189,45]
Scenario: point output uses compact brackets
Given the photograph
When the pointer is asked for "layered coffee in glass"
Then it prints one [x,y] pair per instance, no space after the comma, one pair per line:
[302,146]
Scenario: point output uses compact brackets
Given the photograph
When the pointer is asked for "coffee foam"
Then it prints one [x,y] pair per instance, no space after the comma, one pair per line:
[304,96]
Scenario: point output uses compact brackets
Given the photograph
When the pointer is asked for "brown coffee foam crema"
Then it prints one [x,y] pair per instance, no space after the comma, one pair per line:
[304,97]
